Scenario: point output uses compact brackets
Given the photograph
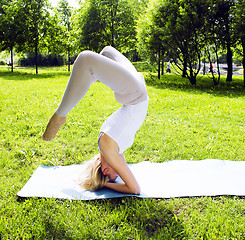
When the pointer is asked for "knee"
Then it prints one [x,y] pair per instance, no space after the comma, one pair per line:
[109,52]
[85,57]
[106,49]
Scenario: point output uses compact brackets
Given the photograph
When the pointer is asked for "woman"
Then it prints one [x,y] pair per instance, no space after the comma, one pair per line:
[117,133]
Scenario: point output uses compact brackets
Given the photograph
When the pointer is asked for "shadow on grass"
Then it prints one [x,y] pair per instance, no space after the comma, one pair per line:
[54,230]
[118,218]
[151,218]
[204,85]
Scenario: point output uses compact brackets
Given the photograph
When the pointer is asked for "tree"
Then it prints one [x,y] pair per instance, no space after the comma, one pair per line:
[224,20]
[36,15]
[53,37]
[120,24]
[148,34]
[182,32]
[138,7]
[91,26]
[212,39]
[65,12]
[107,22]
[12,26]
[240,30]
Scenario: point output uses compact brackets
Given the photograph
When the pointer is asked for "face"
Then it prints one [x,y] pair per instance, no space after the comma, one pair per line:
[112,174]
[107,170]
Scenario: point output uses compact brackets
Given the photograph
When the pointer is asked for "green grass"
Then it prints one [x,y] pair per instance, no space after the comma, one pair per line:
[183,122]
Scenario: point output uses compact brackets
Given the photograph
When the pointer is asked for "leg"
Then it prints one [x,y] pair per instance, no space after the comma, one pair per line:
[90,66]
[127,85]
[137,84]
[115,55]
[121,76]
[79,83]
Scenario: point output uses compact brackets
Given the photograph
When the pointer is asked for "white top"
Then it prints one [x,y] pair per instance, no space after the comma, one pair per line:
[123,124]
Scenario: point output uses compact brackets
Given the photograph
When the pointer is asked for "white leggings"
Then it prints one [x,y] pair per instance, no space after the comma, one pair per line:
[115,71]
[112,69]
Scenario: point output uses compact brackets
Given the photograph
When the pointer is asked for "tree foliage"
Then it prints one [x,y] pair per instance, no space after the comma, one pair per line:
[150,45]
[186,31]
[177,26]
[12,26]
[107,22]
[90,26]
[190,30]
[239,26]
[224,20]
[64,12]
[37,17]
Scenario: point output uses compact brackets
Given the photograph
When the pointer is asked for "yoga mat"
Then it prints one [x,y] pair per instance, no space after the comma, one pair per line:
[178,178]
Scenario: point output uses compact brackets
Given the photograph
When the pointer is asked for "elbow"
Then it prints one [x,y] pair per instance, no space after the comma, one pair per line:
[137,190]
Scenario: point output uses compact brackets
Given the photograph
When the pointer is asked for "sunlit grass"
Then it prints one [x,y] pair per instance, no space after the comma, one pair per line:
[183,122]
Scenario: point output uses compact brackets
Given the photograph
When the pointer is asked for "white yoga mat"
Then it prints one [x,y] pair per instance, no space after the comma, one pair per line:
[179,178]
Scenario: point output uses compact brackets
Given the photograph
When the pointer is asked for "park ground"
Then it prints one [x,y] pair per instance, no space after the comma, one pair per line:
[184,122]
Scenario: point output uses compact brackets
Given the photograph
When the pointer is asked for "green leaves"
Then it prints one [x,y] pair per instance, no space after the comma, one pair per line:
[187,30]
[110,22]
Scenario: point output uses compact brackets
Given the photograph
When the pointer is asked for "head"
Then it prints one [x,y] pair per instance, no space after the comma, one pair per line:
[96,174]
[107,170]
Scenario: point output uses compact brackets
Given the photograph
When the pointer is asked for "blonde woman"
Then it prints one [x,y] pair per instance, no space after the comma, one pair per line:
[117,133]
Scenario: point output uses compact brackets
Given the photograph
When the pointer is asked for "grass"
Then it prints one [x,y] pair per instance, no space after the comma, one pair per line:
[183,122]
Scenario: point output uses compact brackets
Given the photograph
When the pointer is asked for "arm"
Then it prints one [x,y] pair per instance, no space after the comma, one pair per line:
[109,150]
[120,187]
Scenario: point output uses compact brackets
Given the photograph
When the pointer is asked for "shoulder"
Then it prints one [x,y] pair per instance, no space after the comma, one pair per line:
[107,144]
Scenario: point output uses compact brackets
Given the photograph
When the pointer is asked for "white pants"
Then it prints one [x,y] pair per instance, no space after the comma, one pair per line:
[112,69]
[115,71]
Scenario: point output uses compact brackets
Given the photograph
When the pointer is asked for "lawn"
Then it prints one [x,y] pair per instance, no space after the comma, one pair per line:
[184,122]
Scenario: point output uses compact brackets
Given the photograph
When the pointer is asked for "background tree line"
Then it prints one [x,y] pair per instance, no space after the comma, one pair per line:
[191,31]
[187,31]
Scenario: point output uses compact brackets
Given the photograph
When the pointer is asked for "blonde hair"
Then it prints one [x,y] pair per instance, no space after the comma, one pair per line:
[92,177]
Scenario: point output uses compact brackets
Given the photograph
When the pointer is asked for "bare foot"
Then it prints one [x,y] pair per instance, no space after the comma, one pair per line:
[53,127]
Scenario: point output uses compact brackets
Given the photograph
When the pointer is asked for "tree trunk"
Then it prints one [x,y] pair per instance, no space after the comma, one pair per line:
[243,58]
[192,76]
[185,57]
[36,57]
[204,67]
[69,68]
[217,59]
[229,62]
[112,29]
[12,59]
[184,73]
[159,64]
[162,57]
[162,67]
[211,69]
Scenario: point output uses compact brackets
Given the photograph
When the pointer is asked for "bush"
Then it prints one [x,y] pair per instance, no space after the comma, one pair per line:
[43,60]
[145,67]
[2,62]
